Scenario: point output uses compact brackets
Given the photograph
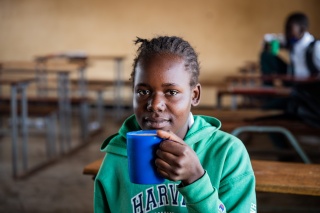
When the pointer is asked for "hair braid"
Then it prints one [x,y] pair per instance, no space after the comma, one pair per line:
[173,45]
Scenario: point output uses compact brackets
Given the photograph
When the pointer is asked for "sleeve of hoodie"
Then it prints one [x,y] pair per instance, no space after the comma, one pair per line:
[237,188]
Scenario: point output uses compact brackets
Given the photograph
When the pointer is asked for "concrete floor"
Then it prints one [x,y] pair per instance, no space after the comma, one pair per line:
[61,187]
[57,188]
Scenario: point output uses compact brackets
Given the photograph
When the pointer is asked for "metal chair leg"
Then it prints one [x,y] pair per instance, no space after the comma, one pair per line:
[278,129]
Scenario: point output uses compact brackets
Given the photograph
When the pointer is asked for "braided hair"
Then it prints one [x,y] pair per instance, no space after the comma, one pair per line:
[170,45]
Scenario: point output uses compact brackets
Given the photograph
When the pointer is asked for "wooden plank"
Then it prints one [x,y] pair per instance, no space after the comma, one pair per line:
[24,66]
[92,168]
[292,178]
[235,115]
[104,82]
[45,100]
[279,177]
[294,125]
[12,81]
[12,65]
[32,110]
[256,91]
[79,56]
[106,57]
[258,77]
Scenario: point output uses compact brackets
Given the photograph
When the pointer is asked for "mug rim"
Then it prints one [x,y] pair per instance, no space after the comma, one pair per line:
[140,132]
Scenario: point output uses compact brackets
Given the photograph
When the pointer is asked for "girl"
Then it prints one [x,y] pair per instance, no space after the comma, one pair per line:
[206,170]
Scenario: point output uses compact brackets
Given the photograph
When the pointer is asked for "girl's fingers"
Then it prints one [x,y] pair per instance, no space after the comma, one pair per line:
[168,157]
[169,136]
[172,147]
[172,143]
[166,170]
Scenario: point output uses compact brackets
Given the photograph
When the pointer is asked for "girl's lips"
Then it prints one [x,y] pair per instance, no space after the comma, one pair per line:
[158,123]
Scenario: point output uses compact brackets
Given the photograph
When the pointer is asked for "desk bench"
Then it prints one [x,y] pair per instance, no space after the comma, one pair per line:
[34,101]
[259,92]
[49,113]
[278,177]
[235,115]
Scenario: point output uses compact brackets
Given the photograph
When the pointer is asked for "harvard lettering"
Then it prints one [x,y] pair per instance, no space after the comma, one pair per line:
[166,195]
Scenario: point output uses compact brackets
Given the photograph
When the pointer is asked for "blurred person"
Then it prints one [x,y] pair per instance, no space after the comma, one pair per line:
[304,52]
[303,47]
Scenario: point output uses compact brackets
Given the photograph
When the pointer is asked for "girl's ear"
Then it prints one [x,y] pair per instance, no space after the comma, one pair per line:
[196,94]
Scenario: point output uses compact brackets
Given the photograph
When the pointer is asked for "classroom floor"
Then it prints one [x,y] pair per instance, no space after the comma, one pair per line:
[61,187]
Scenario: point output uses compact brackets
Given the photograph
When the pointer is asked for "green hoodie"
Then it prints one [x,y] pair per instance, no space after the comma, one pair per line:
[228,184]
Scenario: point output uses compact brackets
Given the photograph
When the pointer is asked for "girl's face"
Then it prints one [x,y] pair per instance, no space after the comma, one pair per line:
[162,94]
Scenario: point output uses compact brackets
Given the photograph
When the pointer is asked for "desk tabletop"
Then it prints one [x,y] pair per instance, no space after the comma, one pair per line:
[279,177]
[256,90]
[79,56]
[106,57]
[289,78]
[92,168]
[261,90]
[61,68]
[15,80]
[30,66]
[106,82]
[292,178]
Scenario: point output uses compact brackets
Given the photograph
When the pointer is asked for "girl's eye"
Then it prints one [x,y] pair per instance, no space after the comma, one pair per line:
[172,92]
[143,92]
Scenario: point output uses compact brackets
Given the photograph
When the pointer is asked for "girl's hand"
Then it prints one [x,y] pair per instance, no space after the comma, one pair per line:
[176,160]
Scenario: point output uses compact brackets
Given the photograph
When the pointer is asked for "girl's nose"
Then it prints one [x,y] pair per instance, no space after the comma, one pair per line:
[156,103]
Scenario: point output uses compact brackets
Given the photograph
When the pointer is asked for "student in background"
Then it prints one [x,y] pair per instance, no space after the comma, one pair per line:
[304,50]
[305,60]
[303,47]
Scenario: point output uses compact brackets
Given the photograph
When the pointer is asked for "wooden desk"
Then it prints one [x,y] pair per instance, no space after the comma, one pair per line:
[83,59]
[251,91]
[92,168]
[292,178]
[118,82]
[251,85]
[278,177]
[289,78]
[18,84]
[64,100]
[62,71]
[236,116]
[257,78]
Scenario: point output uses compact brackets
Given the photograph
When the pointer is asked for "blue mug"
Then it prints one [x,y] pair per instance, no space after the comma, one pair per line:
[141,148]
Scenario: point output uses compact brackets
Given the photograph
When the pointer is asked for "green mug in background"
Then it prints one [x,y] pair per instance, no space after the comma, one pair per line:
[274,47]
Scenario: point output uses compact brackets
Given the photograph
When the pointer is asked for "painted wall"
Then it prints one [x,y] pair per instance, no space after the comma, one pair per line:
[225,33]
